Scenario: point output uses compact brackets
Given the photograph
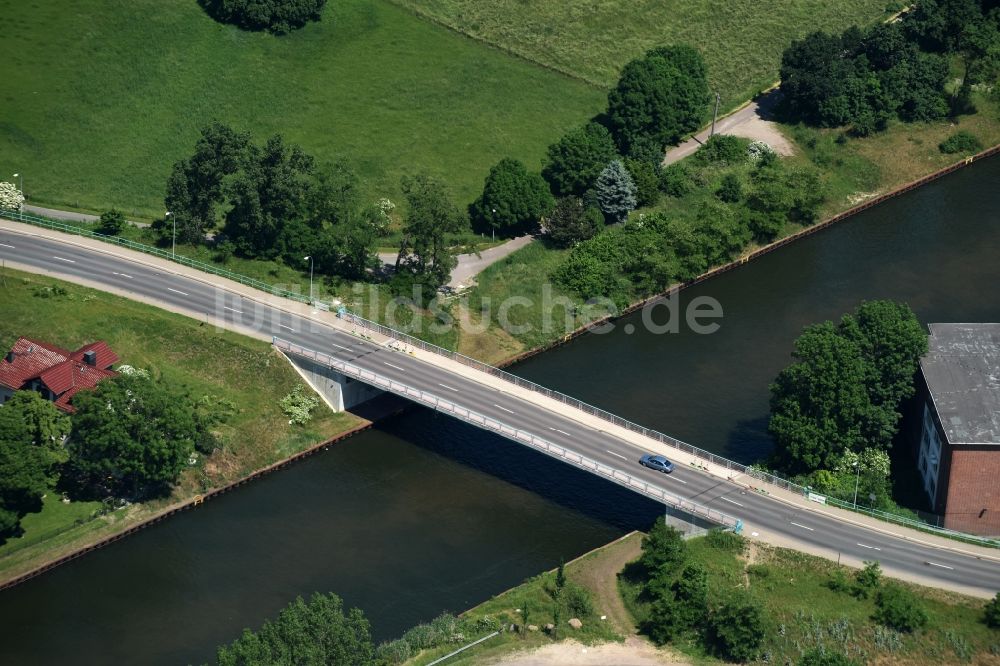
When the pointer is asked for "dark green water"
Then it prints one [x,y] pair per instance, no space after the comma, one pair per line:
[425,514]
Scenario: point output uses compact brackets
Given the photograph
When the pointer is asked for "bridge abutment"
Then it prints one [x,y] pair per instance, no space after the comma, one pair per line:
[339,392]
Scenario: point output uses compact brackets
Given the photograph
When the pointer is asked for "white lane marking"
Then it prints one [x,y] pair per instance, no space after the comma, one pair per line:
[803,527]
[616,454]
[287,327]
[226,307]
[561,431]
[864,545]
[677,480]
[726,499]
[943,566]
[394,366]
[448,387]
[178,291]
[341,346]
[10,246]
[509,411]
[68,261]
[123,275]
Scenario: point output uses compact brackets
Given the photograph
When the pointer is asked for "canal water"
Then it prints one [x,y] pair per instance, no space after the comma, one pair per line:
[424,514]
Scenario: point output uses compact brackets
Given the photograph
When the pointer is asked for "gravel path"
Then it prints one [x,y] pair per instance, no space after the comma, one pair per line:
[470,265]
[752,121]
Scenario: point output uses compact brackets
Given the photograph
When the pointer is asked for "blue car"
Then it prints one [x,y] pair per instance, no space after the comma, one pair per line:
[659,463]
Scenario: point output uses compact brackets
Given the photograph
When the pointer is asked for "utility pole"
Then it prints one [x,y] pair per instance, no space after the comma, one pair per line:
[715,115]
[857,466]
[21,189]
[173,241]
[311,299]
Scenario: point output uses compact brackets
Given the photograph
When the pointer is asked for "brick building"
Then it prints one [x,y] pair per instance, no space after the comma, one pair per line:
[54,372]
[959,445]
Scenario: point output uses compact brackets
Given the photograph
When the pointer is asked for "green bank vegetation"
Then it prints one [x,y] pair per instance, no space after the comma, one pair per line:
[800,604]
[189,356]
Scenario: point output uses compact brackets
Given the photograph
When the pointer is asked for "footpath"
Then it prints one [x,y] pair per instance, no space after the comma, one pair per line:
[789,499]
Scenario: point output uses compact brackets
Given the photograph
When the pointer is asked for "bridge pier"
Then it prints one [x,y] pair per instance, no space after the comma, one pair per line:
[339,392]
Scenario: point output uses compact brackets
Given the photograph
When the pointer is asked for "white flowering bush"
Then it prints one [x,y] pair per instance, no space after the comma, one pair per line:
[383,216]
[130,371]
[298,405]
[10,197]
[758,149]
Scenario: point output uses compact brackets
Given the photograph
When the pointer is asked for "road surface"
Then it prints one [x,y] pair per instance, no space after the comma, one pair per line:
[960,567]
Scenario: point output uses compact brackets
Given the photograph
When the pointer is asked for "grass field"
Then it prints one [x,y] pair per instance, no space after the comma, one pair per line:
[802,612]
[102,96]
[741,40]
[226,366]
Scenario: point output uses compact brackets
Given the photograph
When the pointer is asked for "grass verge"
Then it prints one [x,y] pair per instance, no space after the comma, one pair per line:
[228,367]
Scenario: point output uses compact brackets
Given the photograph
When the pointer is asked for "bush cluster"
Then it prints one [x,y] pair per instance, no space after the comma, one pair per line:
[645,256]
[277,16]
[961,142]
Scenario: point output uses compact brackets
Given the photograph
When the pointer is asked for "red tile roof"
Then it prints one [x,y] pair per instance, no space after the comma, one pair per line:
[62,372]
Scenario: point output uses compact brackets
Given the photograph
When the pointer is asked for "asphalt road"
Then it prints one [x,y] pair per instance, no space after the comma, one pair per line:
[771,519]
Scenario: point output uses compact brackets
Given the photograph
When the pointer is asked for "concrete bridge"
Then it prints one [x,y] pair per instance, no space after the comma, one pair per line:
[703,485]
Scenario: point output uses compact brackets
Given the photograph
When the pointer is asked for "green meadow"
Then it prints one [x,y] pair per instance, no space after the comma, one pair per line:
[101,97]
[742,40]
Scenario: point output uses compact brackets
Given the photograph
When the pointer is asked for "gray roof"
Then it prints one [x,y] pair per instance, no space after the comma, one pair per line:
[962,370]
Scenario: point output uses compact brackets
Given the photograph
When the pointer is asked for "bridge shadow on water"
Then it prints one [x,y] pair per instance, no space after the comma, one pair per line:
[526,468]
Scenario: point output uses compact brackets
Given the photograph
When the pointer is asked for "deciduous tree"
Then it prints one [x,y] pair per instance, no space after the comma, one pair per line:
[131,437]
[277,16]
[659,97]
[569,223]
[314,633]
[513,199]
[430,217]
[577,159]
[24,463]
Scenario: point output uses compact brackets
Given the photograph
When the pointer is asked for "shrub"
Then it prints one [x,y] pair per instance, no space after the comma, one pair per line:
[723,149]
[736,630]
[758,150]
[10,197]
[838,582]
[298,404]
[821,657]
[647,181]
[663,548]
[898,608]
[960,142]
[577,600]
[991,613]
[570,222]
[277,16]
[730,189]
[676,180]
[112,222]
[867,580]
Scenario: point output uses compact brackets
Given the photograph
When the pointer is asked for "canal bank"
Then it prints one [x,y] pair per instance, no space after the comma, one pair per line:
[927,248]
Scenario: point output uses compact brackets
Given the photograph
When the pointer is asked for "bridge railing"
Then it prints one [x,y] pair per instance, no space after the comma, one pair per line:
[519,435]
